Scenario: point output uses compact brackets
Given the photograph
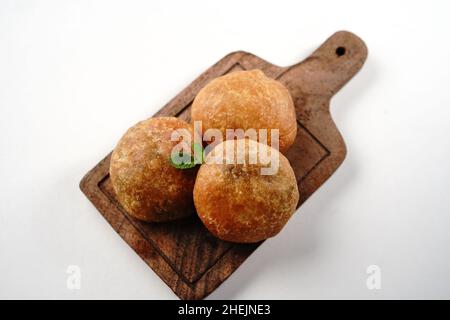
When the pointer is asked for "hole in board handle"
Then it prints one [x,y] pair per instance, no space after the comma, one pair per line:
[340,51]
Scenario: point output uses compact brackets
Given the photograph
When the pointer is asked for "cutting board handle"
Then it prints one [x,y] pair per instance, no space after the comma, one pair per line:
[328,68]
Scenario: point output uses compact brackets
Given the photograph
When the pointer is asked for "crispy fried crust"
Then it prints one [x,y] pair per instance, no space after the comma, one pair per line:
[146,184]
[247,99]
[238,204]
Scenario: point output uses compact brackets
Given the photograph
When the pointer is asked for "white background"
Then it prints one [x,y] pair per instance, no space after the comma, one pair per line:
[74,75]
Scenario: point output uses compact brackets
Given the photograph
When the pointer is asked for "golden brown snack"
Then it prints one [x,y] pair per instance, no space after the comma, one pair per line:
[247,99]
[238,204]
[146,184]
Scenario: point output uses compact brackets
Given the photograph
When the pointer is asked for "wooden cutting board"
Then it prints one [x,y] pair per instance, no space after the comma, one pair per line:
[191,261]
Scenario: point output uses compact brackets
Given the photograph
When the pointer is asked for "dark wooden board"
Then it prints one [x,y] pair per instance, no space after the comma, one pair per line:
[183,253]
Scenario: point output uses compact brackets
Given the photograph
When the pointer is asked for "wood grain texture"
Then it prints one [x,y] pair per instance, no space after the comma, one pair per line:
[183,253]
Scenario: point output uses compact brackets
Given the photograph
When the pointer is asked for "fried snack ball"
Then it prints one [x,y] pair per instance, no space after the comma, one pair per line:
[146,184]
[244,100]
[239,204]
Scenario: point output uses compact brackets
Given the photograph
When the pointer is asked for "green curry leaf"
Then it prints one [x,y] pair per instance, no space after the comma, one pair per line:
[196,158]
